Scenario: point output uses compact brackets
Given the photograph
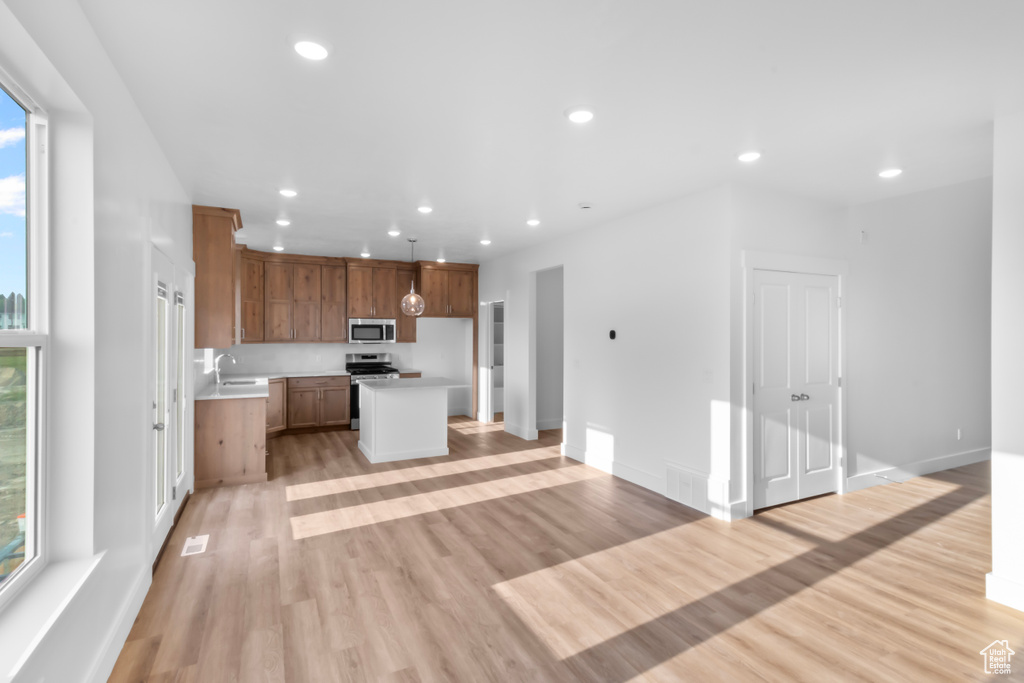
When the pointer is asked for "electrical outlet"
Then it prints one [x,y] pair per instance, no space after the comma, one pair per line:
[959,433]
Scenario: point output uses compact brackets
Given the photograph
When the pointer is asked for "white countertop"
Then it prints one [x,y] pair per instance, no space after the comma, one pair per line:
[258,389]
[278,375]
[412,383]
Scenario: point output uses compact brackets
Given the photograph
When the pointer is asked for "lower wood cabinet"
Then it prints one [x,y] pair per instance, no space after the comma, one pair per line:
[318,402]
[231,441]
[277,406]
[407,375]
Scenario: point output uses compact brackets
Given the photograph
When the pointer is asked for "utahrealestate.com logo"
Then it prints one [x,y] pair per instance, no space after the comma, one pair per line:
[997,657]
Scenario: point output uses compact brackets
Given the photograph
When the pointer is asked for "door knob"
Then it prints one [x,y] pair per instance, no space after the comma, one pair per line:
[794,397]
[804,397]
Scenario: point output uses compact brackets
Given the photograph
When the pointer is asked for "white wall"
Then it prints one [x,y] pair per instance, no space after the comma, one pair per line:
[1006,582]
[550,340]
[443,348]
[620,276]
[99,285]
[916,306]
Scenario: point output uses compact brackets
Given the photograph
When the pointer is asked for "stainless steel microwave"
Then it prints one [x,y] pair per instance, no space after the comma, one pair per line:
[371,330]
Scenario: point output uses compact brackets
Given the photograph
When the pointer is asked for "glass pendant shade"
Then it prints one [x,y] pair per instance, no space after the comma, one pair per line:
[413,303]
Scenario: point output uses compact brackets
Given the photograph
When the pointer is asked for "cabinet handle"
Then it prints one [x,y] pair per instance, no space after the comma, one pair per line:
[243,333]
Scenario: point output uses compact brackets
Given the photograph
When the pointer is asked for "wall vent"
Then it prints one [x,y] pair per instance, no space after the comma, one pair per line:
[195,545]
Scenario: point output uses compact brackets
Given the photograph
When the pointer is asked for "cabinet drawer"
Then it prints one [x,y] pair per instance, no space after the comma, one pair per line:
[317,382]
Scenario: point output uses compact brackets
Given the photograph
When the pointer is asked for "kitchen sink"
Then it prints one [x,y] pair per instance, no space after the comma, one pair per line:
[237,382]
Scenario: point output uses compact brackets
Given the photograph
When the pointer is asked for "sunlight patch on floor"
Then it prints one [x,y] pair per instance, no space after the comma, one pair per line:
[359,482]
[477,427]
[355,516]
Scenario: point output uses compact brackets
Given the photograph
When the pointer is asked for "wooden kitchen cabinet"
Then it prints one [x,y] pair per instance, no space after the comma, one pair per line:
[334,304]
[318,402]
[213,251]
[303,408]
[406,324]
[277,406]
[372,292]
[448,293]
[230,442]
[334,408]
[292,293]
[278,291]
[409,375]
[251,274]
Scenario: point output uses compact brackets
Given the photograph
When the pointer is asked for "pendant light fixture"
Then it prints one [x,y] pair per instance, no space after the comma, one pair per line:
[412,303]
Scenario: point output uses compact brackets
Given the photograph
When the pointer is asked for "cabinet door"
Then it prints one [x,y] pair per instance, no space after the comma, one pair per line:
[435,292]
[360,292]
[276,406]
[461,297]
[252,301]
[306,302]
[213,243]
[278,279]
[406,323]
[333,309]
[334,406]
[385,293]
[303,408]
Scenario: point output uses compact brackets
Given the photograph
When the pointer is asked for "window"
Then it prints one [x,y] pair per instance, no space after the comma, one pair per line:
[22,336]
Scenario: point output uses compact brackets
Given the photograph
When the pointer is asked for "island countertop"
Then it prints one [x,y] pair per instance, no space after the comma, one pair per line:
[412,383]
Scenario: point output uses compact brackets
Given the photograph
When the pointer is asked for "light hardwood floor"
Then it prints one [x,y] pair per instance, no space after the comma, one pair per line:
[507,562]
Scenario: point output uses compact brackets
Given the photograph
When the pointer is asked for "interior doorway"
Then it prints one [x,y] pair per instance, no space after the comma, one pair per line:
[796,389]
[497,375]
[550,349]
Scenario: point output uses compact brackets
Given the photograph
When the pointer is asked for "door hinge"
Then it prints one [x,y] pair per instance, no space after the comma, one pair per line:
[174,493]
[840,381]
[753,388]
[174,395]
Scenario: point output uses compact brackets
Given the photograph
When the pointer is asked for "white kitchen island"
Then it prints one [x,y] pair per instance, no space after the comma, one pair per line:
[402,419]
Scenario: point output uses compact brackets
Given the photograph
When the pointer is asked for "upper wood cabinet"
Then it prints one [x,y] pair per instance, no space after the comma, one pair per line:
[278,277]
[372,292]
[406,324]
[448,292]
[251,274]
[213,250]
[292,301]
[334,304]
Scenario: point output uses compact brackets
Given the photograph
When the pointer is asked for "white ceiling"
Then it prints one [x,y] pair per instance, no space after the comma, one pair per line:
[459,104]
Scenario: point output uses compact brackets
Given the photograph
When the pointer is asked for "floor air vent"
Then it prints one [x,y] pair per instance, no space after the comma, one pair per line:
[195,545]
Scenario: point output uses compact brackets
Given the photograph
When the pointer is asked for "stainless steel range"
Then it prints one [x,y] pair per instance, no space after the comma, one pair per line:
[364,366]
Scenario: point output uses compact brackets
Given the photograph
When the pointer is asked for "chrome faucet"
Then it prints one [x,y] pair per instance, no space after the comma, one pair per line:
[216,366]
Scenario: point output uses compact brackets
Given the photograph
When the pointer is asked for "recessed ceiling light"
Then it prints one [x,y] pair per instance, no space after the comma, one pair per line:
[284,222]
[579,114]
[310,50]
[533,222]
[585,205]
[365,254]
[278,248]
[394,233]
[288,193]
[441,260]
[424,209]
[890,173]
[749,156]
[485,242]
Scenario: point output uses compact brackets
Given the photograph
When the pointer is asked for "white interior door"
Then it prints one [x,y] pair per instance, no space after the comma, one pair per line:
[162,465]
[796,386]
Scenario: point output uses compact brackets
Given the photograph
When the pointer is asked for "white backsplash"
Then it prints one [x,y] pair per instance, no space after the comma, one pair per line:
[443,348]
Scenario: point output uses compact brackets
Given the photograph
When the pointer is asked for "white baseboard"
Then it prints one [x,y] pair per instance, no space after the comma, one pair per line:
[555,423]
[1004,591]
[521,432]
[916,469]
[117,636]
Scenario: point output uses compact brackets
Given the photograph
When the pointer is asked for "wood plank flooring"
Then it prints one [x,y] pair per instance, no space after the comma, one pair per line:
[508,562]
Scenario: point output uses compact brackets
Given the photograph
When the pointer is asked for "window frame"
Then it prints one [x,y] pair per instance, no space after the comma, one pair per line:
[36,336]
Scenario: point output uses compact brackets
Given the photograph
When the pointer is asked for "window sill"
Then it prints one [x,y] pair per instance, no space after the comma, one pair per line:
[27,619]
